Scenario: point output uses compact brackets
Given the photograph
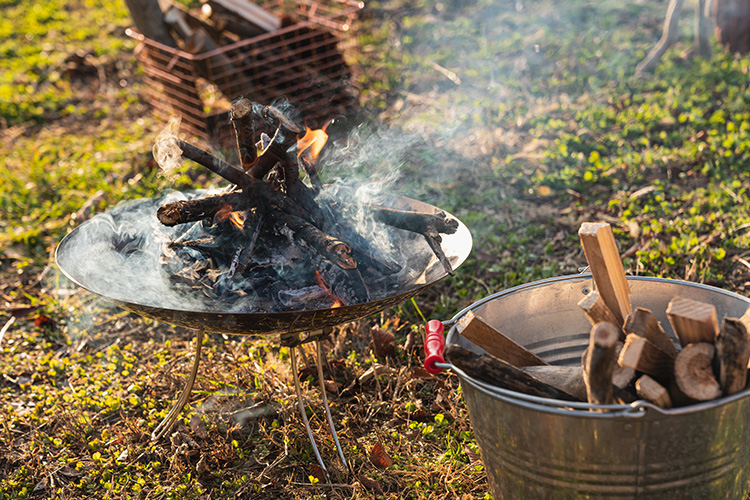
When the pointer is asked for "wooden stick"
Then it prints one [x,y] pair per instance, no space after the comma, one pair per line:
[606,267]
[651,390]
[622,376]
[479,331]
[568,379]
[644,324]
[416,222]
[693,321]
[732,355]
[244,131]
[491,370]
[596,310]
[693,373]
[600,363]
[214,164]
[641,354]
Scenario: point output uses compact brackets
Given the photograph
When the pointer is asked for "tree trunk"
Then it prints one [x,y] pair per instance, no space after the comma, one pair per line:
[732,24]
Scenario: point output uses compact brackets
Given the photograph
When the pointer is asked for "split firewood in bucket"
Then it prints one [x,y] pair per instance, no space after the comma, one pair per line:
[629,355]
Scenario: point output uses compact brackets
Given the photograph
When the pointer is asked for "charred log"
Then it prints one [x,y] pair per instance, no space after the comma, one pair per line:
[184,211]
[331,248]
[214,164]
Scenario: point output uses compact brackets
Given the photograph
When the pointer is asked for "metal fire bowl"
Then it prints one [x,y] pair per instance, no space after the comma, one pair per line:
[420,258]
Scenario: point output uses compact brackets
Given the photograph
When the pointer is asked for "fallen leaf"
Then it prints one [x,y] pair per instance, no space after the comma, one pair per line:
[42,320]
[473,457]
[318,473]
[412,434]
[331,386]
[370,484]
[379,457]
[420,372]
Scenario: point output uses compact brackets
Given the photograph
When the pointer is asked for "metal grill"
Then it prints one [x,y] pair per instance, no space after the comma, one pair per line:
[302,62]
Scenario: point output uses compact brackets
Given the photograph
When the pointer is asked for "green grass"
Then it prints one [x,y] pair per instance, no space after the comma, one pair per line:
[523,123]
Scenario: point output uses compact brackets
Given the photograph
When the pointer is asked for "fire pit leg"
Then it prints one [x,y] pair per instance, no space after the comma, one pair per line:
[319,349]
[174,413]
[302,412]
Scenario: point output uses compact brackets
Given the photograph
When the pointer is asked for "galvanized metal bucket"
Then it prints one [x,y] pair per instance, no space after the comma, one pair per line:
[539,448]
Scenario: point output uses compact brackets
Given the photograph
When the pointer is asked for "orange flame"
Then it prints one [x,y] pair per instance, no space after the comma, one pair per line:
[236,217]
[319,280]
[314,140]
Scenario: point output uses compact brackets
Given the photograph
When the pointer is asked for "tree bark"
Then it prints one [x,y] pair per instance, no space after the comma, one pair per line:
[732,24]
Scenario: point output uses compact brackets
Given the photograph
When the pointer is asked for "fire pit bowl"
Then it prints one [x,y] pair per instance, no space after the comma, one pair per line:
[541,448]
[97,241]
[116,256]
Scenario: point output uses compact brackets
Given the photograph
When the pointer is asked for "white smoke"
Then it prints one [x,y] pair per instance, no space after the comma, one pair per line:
[166,150]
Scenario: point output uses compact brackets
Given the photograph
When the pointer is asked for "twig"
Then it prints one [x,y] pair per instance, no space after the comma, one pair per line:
[450,75]
[6,327]
[214,164]
[377,382]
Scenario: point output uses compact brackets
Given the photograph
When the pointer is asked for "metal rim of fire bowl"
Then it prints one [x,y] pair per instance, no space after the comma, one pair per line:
[457,247]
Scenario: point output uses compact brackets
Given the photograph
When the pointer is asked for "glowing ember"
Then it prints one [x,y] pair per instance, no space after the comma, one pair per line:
[319,280]
[238,219]
[235,217]
[314,140]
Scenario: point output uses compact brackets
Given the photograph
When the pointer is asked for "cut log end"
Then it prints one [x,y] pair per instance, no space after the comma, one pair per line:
[693,372]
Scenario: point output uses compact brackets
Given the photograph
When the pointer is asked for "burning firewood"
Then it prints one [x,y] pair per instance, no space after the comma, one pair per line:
[289,224]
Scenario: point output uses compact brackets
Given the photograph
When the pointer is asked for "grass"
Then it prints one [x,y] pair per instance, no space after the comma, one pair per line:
[523,119]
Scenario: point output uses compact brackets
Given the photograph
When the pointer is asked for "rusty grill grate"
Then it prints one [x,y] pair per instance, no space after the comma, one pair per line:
[302,62]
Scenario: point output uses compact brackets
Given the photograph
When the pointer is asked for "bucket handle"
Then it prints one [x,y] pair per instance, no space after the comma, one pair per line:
[434,345]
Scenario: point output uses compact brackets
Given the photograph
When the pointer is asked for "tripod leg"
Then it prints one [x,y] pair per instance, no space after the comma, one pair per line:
[174,413]
[319,349]
[303,414]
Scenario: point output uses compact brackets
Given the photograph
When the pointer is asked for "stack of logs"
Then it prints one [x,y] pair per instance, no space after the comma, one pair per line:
[629,356]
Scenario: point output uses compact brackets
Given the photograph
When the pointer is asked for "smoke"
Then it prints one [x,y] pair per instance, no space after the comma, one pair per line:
[166,151]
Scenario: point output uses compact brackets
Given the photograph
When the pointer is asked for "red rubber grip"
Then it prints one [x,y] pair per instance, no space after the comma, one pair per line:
[434,344]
